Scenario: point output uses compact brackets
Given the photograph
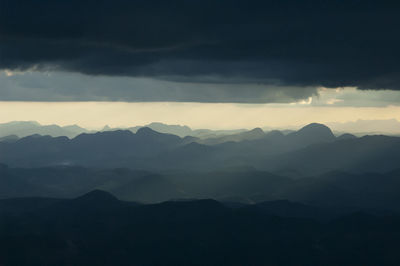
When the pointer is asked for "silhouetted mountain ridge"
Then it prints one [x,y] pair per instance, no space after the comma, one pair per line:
[206,231]
[26,128]
[96,196]
[311,150]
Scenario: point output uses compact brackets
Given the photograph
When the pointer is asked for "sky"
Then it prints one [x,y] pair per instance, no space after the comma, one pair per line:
[216,64]
[95,115]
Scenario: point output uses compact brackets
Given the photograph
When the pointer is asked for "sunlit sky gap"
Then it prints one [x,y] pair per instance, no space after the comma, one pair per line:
[95,115]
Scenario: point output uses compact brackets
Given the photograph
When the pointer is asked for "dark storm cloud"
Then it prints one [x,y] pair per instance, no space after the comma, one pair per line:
[278,43]
[61,86]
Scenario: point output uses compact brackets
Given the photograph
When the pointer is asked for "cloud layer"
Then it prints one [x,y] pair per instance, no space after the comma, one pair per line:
[61,86]
[270,44]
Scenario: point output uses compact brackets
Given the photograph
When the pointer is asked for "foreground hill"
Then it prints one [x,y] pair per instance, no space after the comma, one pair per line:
[98,229]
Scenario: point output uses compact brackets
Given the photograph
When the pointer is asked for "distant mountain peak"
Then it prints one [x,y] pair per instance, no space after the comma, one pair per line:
[315,126]
[253,134]
[312,133]
[98,196]
[346,136]
[106,128]
[27,128]
[155,124]
[178,130]
[22,123]
[146,131]
[256,130]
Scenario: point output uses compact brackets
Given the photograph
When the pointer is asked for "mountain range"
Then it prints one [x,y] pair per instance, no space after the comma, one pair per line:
[246,185]
[310,165]
[22,129]
[365,127]
[314,149]
[113,197]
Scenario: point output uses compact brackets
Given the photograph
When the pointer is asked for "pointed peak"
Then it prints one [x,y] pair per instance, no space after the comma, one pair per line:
[257,130]
[97,195]
[253,134]
[146,131]
[106,128]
